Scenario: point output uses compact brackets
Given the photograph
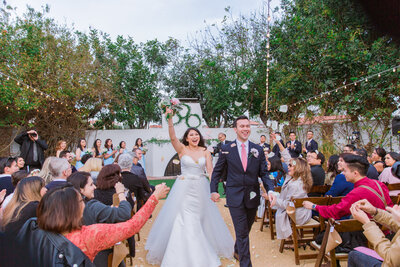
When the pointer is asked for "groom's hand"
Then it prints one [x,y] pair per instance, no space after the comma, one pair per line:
[215,197]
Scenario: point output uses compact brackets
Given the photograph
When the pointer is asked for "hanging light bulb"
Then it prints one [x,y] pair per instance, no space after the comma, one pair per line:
[355,83]
[394,69]
[8,78]
[18,83]
[269,18]
[379,75]
[366,79]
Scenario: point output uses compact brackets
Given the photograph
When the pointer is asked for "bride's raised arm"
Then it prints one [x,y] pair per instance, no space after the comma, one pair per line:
[178,146]
[209,165]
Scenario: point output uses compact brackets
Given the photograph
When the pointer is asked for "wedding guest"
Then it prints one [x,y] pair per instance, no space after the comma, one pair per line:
[22,205]
[80,151]
[15,178]
[263,144]
[332,169]
[66,154]
[59,169]
[387,176]
[61,146]
[354,169]
[349,148]
[217,150]
[92,166]
[387,250]
[96,150]
[372,173]
[132,181]
[377,159]
[297,184]
[97,212]
[275,170]
[293,145]
[45,172]
[32,149]
[310,145]
[139,171]
[106,180]
[142,161]
[276,149]
[340,186]
[7,167]
[315,160]
[109,154]
[21,163]
[60,212]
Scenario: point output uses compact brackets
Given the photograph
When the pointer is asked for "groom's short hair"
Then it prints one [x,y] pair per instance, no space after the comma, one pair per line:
[241,117]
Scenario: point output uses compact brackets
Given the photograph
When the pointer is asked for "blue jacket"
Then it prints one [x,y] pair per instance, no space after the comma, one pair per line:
[340,187]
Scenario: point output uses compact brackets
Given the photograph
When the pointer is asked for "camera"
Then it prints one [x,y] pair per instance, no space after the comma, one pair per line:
[33,134]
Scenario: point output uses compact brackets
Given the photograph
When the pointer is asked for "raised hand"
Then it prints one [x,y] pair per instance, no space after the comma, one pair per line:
[161,191]
[119,188]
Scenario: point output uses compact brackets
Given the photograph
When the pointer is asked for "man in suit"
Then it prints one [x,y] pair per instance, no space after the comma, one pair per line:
[293,146]
[310,145]
[276,149]
[217,150]
[60,169]
[32,149]
[244,162]
[265,146]
[7,167]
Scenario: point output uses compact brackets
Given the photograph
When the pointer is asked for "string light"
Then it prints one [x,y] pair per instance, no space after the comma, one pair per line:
[268,57]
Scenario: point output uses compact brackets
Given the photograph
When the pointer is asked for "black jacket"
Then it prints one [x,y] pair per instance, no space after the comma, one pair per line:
[312,146]
[27,144]
[50,249]
[295,152]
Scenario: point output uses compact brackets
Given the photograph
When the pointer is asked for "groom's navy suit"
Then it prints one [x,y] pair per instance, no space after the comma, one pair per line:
[242,190]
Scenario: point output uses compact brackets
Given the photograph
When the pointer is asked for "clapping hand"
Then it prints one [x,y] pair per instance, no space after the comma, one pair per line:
[273,137]
[364,205]
[359,214]
[395,211]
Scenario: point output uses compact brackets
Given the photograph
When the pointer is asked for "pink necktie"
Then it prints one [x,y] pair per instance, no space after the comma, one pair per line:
[244,157]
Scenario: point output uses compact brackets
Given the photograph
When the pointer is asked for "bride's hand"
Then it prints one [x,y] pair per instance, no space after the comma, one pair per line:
[161,191]
[215,197]
[168,111]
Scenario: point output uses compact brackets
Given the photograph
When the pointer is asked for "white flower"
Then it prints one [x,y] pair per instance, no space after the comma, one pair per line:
[254,152]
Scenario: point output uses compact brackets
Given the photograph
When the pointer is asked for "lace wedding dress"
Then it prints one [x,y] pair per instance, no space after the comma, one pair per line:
[189,230]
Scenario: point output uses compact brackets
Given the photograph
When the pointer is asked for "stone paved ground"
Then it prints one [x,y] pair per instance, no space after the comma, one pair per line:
[264,251]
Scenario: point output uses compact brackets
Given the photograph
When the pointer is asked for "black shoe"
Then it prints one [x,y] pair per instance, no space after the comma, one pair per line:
[226,206]
[236,256]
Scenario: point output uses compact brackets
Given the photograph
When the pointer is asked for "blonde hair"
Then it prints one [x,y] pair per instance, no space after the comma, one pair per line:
[27,190]
[302,170]
[92,165]
[45,171]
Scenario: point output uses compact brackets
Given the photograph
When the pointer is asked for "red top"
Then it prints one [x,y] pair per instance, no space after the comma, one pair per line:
[96,237]
[337,211]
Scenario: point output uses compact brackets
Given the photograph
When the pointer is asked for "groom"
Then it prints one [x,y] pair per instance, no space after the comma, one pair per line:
[244,162]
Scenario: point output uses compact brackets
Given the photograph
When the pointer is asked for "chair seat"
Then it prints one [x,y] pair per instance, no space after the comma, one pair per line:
[310,224]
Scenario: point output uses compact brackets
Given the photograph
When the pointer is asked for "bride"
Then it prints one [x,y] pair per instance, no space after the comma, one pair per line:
[189,230]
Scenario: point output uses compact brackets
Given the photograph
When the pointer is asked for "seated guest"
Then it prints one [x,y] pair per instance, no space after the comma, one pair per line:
[7,167]
[266,147]
[293,146]
[297,183]
[59,169]
[354,169]
[15,178]
[21,163]
[22,205]
[387,249]
[275,170]
[106,180]
[97,212]
[372,173]
[387,175]
[58,229]
[377,159]
[45,172]
[130,180]
[65,154]
[340,186]
[315,159]
[139,171]
[349,148]
[331,169]
[93,166]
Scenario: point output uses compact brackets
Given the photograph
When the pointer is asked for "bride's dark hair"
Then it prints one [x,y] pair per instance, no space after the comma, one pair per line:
[186,143]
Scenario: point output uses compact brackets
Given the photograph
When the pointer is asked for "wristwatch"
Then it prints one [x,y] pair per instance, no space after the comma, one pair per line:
[313,207]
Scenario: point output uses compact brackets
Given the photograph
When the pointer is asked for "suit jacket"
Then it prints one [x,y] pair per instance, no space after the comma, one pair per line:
[276,149]
[218,151]
[241,186]
[312,146]
[295,152]
[26,144]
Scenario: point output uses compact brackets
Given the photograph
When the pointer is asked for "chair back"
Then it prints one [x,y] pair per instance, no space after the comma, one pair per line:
[298,202]
[393,187]
[321,189]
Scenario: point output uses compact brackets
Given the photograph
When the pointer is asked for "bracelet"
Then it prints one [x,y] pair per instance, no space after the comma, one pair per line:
[376,211]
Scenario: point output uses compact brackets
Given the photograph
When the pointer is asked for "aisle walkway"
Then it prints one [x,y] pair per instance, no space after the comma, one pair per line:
[264,252]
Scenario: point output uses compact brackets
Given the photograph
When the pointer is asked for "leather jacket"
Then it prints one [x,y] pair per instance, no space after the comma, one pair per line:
[50,249]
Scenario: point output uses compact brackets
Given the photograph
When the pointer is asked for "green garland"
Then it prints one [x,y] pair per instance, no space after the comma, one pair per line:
[156,141]
[187,116]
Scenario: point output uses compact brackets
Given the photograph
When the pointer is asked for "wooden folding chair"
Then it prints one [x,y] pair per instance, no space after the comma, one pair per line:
[268,211]
[320,189]
[393,187]
[341,227]
[298,236]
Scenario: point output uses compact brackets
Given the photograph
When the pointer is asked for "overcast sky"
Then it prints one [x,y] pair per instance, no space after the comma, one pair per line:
[142,19]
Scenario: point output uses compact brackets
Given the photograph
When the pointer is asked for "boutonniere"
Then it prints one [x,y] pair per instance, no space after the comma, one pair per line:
[253,152]
[233,144]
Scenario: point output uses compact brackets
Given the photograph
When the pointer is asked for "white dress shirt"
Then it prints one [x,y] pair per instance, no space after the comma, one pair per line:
[239,147]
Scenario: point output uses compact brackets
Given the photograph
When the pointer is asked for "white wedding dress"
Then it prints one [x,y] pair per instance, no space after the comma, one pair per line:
[189,230]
